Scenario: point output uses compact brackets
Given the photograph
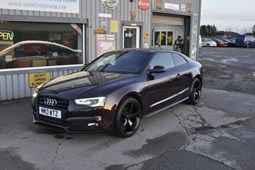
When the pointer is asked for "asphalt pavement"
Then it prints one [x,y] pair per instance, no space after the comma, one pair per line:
[218,133]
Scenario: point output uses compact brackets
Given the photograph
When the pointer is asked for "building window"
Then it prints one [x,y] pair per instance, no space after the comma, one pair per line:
[163,38]
[25,44]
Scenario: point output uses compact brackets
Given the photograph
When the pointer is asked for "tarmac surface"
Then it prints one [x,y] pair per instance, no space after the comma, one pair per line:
[230,69]
[218,133]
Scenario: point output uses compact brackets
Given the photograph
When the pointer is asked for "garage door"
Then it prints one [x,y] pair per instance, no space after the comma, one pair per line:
[167,20]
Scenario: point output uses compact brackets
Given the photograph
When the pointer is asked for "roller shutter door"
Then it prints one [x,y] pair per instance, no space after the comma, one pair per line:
[167,20]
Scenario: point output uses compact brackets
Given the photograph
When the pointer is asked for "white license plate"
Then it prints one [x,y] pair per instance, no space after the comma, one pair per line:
[50,112]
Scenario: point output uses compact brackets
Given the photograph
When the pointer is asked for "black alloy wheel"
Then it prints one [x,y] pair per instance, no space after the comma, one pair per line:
[128,117]
[196,91]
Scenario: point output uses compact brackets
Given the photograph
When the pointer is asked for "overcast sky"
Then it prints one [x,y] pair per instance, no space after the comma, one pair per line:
[237,15]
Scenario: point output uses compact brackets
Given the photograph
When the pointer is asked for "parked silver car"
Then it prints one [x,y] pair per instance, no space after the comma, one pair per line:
[207,42]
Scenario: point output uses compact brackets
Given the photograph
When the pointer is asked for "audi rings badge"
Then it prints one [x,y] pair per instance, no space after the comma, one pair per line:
[50,102]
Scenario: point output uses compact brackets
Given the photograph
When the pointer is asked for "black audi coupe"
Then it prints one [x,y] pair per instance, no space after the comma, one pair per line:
[116,90]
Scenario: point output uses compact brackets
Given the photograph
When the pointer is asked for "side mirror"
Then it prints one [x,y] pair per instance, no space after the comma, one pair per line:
[156,69]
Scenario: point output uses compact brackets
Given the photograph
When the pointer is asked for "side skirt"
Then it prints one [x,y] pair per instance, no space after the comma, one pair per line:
[164,108]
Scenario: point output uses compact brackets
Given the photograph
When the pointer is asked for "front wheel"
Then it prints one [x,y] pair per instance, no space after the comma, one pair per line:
[128,117]
[196,91]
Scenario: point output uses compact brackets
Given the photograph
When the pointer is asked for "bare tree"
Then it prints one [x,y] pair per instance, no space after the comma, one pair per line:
[228,29]
[246,30]
[253,30]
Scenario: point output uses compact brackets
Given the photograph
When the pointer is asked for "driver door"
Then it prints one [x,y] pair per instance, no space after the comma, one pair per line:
[163,87]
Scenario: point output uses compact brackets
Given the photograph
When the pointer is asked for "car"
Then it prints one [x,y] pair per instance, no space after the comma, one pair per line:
[229,42]
[199,41]
[34,53]
[245,41]
[116,90]
[219,42]
[206,42]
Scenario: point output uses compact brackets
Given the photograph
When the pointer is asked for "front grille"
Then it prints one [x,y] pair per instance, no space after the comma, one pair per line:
[61,103]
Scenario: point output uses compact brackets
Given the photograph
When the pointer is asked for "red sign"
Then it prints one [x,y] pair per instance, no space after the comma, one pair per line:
[144,4]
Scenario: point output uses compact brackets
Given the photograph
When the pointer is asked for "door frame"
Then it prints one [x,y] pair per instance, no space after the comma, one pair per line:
[138,35]
[131,24]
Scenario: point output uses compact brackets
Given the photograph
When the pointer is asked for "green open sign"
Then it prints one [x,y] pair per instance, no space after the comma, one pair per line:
[6,35]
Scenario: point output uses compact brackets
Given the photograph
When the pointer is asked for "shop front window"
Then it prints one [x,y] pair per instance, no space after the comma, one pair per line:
[40,44]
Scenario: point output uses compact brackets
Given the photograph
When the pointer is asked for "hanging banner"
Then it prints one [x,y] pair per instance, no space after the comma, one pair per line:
[64,6]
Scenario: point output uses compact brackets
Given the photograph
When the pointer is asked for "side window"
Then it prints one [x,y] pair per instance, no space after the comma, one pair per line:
[162,59]
[178,59]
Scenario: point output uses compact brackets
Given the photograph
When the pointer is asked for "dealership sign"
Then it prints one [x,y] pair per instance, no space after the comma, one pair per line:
[64,6]
[175,7]
[6,35]
[105,43]
[110,4]
[143,4]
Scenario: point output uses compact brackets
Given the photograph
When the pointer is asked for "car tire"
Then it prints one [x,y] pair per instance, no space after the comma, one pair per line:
[196,91]
[208,45]
[128,117]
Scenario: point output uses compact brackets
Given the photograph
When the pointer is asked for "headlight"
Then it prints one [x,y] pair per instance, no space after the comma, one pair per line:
[37,89]
[91,102]
[35,94]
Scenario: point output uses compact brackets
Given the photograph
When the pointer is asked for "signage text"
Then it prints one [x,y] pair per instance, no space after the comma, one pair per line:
[6,36]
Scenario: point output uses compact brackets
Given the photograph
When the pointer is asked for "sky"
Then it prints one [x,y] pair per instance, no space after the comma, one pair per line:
[229,15]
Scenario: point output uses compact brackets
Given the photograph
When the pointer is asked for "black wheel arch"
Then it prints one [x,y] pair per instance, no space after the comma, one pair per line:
[199,77]
[134,95]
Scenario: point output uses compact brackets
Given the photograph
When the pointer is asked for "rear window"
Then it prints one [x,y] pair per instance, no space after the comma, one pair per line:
[178,59]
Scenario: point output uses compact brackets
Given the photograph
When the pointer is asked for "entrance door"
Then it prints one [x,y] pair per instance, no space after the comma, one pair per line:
[131,37]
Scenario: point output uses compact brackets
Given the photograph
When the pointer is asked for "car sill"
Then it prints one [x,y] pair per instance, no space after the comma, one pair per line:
[160,110]
[169,98]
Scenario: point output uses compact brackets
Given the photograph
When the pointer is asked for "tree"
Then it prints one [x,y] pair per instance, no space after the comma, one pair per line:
[208,30]
[228,29]
[253,30]
[203,30]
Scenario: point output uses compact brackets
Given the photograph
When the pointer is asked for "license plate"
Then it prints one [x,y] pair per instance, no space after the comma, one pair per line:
[50,112]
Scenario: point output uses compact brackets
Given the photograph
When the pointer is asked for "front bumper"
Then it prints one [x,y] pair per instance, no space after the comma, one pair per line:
[70,125]
[74,118]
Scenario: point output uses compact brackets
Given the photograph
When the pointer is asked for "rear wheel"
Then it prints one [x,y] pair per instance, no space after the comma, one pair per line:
[128,118]
[196,91]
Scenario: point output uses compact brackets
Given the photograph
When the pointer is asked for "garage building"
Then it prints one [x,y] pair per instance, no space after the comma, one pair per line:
[40,40]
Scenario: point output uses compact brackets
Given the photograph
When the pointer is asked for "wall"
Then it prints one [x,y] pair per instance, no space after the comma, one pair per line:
[195,15]
[120,13]
[14,83]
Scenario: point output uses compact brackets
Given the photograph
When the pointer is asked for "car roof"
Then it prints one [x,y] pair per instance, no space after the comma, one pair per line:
[149,50]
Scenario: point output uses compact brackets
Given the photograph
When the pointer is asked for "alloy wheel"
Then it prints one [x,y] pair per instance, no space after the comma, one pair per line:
[128,118]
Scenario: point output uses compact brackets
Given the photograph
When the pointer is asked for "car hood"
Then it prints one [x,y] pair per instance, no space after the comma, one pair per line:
[82,79]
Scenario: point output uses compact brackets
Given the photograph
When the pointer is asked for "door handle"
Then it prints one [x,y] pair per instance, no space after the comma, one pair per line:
[178,75]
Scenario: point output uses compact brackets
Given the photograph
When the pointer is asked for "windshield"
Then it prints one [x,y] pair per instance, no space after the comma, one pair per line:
[120,62]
